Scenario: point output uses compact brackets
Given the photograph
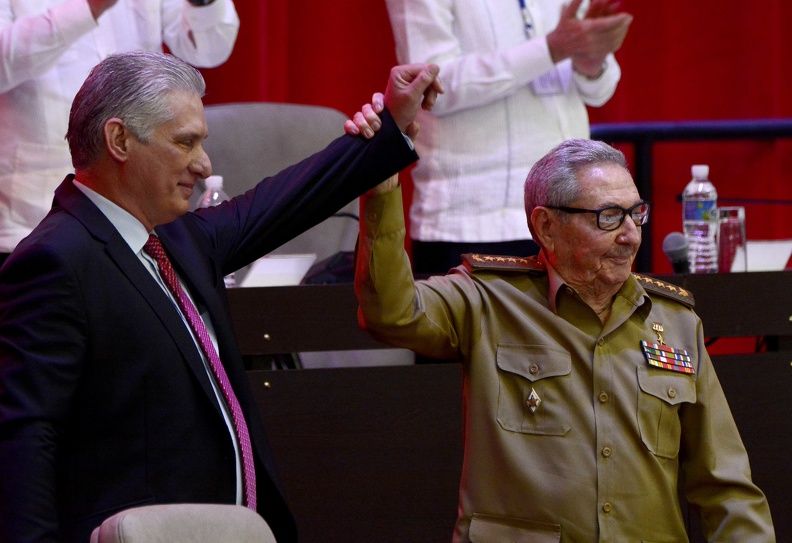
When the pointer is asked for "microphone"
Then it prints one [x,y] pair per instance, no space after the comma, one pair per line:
[675,247]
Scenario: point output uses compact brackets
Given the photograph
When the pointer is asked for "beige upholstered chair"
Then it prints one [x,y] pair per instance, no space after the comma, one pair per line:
[250,141]
[184,523]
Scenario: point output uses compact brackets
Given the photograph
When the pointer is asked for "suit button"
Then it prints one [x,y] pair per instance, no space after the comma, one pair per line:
[533,369]
[601,341]
[672,393]
[607,451]
[603,397]
[607,507]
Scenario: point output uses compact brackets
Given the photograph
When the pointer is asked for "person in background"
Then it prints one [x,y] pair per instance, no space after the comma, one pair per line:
[518,76]
[121,383]
[591,404]
[47,48]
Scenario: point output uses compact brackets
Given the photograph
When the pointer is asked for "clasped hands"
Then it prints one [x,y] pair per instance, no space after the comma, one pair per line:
[410,87]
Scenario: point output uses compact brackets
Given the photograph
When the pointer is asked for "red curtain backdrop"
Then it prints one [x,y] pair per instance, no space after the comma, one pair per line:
[682,60]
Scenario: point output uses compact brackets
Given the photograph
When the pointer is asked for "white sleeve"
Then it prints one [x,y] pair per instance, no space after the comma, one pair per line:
[203,36]
[596,92]
[31,45]
[424,32]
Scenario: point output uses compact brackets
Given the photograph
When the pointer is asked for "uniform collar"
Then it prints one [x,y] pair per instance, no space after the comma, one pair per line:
[631,293]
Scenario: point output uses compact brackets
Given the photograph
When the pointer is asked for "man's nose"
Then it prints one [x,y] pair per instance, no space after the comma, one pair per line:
[202,165]
[629,232]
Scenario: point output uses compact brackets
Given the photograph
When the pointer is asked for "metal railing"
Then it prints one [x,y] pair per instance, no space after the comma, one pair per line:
[643,136]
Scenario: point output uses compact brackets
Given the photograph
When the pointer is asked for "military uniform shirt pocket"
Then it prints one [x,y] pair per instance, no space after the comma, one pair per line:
[531,381]
[661,394]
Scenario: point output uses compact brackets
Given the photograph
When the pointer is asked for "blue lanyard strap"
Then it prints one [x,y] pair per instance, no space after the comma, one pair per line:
[527,19]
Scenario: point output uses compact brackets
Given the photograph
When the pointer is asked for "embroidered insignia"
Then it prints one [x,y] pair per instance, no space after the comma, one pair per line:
[667,290]
[658,329]
[533,401]
[475,262]
[663,356]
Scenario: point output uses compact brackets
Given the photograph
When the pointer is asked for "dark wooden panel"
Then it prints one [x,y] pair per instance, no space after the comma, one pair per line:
[367,454]
[276,320]
[741,304]
[374,454]
[758,391]
[324,317]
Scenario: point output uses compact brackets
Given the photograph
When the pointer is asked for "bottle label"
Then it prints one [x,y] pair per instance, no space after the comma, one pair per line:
[701,210]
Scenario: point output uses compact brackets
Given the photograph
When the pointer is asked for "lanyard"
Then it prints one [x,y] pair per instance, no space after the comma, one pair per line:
[527,19]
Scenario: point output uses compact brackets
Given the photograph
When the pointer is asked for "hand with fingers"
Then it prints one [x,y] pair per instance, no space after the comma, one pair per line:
[589,40]
[410,87]
[366,121]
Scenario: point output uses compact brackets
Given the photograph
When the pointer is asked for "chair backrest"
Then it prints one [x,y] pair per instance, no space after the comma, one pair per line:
[184,523]
[250,141]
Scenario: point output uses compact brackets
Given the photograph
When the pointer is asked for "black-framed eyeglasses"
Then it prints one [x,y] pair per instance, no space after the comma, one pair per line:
[611,217]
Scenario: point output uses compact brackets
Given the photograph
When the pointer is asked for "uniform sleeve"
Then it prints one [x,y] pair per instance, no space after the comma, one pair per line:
[203,36]
[31,45]
[432,317]
[42,347]
[715,465]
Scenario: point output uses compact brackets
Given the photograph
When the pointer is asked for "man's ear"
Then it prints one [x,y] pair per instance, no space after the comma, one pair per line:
[117,139]
[543,222]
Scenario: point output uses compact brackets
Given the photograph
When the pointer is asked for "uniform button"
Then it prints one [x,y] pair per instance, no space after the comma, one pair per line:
[533,369]
[603,397]
[601,342]
[672,392]
[607,451]
[607,507]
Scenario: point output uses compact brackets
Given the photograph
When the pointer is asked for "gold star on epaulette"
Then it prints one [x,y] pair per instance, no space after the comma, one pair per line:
[477,262]
[668,290]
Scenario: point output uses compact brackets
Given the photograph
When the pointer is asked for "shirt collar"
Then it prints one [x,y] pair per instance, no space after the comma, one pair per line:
[631,290]
[132,230]
[554,282]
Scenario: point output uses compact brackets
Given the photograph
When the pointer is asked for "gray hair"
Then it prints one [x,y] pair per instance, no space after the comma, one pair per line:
[553,179]
[133,87]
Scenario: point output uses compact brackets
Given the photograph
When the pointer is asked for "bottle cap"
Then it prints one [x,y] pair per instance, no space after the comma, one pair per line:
[214,182]
[700,171]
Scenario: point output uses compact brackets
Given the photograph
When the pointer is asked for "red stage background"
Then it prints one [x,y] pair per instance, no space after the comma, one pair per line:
[682,60]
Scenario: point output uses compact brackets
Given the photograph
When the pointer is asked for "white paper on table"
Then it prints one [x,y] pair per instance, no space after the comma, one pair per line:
[768,255]
[278,270]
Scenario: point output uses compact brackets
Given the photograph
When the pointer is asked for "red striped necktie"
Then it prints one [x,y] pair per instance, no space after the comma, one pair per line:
[154,248]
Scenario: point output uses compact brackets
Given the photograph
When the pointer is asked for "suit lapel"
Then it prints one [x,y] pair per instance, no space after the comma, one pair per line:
[68,197]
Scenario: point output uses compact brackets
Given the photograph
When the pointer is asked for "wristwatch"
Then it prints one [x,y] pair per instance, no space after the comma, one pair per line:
[200,2]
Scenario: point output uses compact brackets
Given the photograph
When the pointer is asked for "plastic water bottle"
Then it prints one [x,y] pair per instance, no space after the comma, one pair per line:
[212,196]
[700,219]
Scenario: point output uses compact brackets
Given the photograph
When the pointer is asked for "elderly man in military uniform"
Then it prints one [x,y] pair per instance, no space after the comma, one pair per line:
[590,398]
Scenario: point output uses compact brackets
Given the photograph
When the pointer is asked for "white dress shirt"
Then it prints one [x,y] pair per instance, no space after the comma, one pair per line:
[489,127]
[47,48]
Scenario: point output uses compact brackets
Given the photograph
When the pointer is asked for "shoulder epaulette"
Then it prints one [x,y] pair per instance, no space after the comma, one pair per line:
[478,262]
[656,286]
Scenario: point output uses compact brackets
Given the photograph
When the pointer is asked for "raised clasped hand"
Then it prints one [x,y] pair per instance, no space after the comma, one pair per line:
[410,87]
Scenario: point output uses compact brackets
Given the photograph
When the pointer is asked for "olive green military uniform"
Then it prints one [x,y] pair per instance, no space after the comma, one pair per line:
[570,434]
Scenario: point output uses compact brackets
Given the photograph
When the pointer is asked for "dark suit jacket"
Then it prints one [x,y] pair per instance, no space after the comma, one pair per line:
[104,401]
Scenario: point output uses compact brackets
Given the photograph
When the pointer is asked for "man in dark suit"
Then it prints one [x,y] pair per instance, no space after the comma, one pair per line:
[120,380]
